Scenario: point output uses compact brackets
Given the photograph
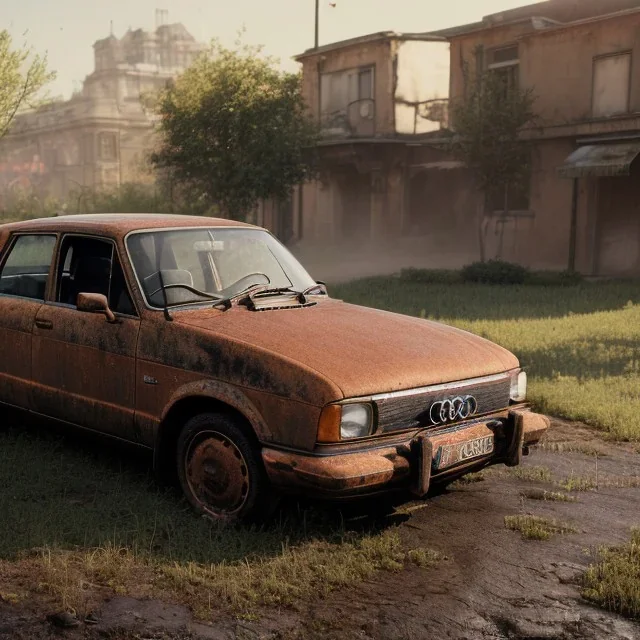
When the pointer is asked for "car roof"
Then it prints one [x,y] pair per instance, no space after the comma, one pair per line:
[118,223]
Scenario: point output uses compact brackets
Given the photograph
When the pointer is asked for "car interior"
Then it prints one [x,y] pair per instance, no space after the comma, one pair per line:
[92,266]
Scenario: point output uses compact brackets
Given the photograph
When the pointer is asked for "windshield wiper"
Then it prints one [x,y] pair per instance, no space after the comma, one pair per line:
[201,294]
[262,290]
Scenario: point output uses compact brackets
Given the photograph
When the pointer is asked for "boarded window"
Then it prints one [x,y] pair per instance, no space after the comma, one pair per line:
[611,75]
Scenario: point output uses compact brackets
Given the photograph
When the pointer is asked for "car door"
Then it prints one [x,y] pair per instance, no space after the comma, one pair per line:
[24,273]
[84,365]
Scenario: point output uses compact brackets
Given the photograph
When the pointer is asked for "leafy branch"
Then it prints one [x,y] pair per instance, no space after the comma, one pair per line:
[22,77]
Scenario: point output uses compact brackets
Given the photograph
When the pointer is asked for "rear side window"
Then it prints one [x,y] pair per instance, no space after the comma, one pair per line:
[91,265]
[26,269]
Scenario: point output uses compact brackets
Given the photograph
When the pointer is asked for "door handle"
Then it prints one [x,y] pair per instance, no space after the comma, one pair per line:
[44,324]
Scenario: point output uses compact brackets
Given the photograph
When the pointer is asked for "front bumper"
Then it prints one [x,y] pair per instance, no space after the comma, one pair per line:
[413,462]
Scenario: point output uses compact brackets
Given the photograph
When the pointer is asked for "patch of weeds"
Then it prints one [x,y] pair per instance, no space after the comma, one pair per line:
[613,582]
[424,557]
[536,527]
[578,483]
[532,474]
[588,483]
[547,496]
[301,571]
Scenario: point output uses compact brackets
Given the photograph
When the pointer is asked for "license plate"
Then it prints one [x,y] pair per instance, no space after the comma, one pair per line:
[455,453]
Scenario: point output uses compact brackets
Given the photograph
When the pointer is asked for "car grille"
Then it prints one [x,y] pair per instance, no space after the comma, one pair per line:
[410,410]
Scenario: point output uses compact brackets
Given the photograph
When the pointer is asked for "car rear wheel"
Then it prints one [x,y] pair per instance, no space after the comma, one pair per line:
[220,470]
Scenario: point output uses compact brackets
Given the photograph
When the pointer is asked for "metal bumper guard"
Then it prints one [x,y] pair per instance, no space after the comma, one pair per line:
[412,463]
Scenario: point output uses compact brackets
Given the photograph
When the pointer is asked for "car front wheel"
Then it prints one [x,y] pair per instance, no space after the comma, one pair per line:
[220,470]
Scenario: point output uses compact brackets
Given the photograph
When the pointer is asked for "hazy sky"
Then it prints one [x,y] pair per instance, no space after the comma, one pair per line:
[66,29]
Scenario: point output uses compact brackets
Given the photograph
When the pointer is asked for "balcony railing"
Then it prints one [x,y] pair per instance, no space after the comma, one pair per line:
[356,120]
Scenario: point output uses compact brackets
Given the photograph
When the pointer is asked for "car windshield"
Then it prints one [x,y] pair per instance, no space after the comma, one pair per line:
[188,266]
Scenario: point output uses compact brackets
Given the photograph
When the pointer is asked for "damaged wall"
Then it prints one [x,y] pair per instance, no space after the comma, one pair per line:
[422,86]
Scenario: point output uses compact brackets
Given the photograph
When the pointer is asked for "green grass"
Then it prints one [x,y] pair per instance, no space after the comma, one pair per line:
[613,582]
[536,527]
[76,519]
[580,344]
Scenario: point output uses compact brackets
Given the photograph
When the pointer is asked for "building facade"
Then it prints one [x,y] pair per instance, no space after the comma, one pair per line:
[388,180]
[98,139]
[582,204]
[381,103]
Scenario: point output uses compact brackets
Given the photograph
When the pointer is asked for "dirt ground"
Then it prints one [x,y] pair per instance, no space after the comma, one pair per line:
[493,584]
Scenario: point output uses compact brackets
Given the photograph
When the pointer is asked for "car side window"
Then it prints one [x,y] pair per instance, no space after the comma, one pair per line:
[90,265]
[26,269]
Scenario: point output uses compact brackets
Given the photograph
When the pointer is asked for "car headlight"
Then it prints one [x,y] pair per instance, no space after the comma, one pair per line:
[355,421]
[518,387]
[345,422]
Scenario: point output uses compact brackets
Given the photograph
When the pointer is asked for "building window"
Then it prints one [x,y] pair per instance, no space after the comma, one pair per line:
[513,199]
[365,84]
[108,147]
[505,62]
[611,81]
[346,97]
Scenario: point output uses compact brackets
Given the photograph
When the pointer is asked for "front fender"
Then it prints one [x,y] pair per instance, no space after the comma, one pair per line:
[225,393]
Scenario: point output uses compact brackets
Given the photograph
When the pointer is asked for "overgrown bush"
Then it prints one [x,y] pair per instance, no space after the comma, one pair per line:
[494,272]
[612,582]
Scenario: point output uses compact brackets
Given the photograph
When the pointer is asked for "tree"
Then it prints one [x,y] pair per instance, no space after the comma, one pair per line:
[235,129]
[21,79]
[488,121]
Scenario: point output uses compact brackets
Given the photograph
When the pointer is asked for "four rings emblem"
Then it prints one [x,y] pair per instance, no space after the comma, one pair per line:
[453,409]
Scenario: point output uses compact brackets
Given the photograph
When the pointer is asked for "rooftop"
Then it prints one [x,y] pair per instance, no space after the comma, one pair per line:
[371,38]
[549,13]
[117,223]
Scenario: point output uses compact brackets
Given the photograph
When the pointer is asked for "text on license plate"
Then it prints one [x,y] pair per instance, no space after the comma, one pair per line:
[454,453]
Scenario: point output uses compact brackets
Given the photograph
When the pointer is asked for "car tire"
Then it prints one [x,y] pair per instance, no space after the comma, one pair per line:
[220,470]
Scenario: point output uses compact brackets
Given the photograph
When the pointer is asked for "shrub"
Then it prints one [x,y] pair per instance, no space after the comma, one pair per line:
[494,272]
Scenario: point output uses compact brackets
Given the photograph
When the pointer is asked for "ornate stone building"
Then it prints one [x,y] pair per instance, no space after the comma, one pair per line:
[98,138]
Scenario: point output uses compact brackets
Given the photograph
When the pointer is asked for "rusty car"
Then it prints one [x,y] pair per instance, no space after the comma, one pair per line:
[207,343]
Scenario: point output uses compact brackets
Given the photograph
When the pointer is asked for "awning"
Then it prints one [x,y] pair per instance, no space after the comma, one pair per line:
[600,160]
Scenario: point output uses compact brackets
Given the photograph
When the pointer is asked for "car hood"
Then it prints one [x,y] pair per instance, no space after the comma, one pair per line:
[361,351]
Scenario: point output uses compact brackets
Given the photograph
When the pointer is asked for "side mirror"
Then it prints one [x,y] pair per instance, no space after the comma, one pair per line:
[95,303]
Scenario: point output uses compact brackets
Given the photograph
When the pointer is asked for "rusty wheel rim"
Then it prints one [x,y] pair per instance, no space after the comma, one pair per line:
[217,474]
